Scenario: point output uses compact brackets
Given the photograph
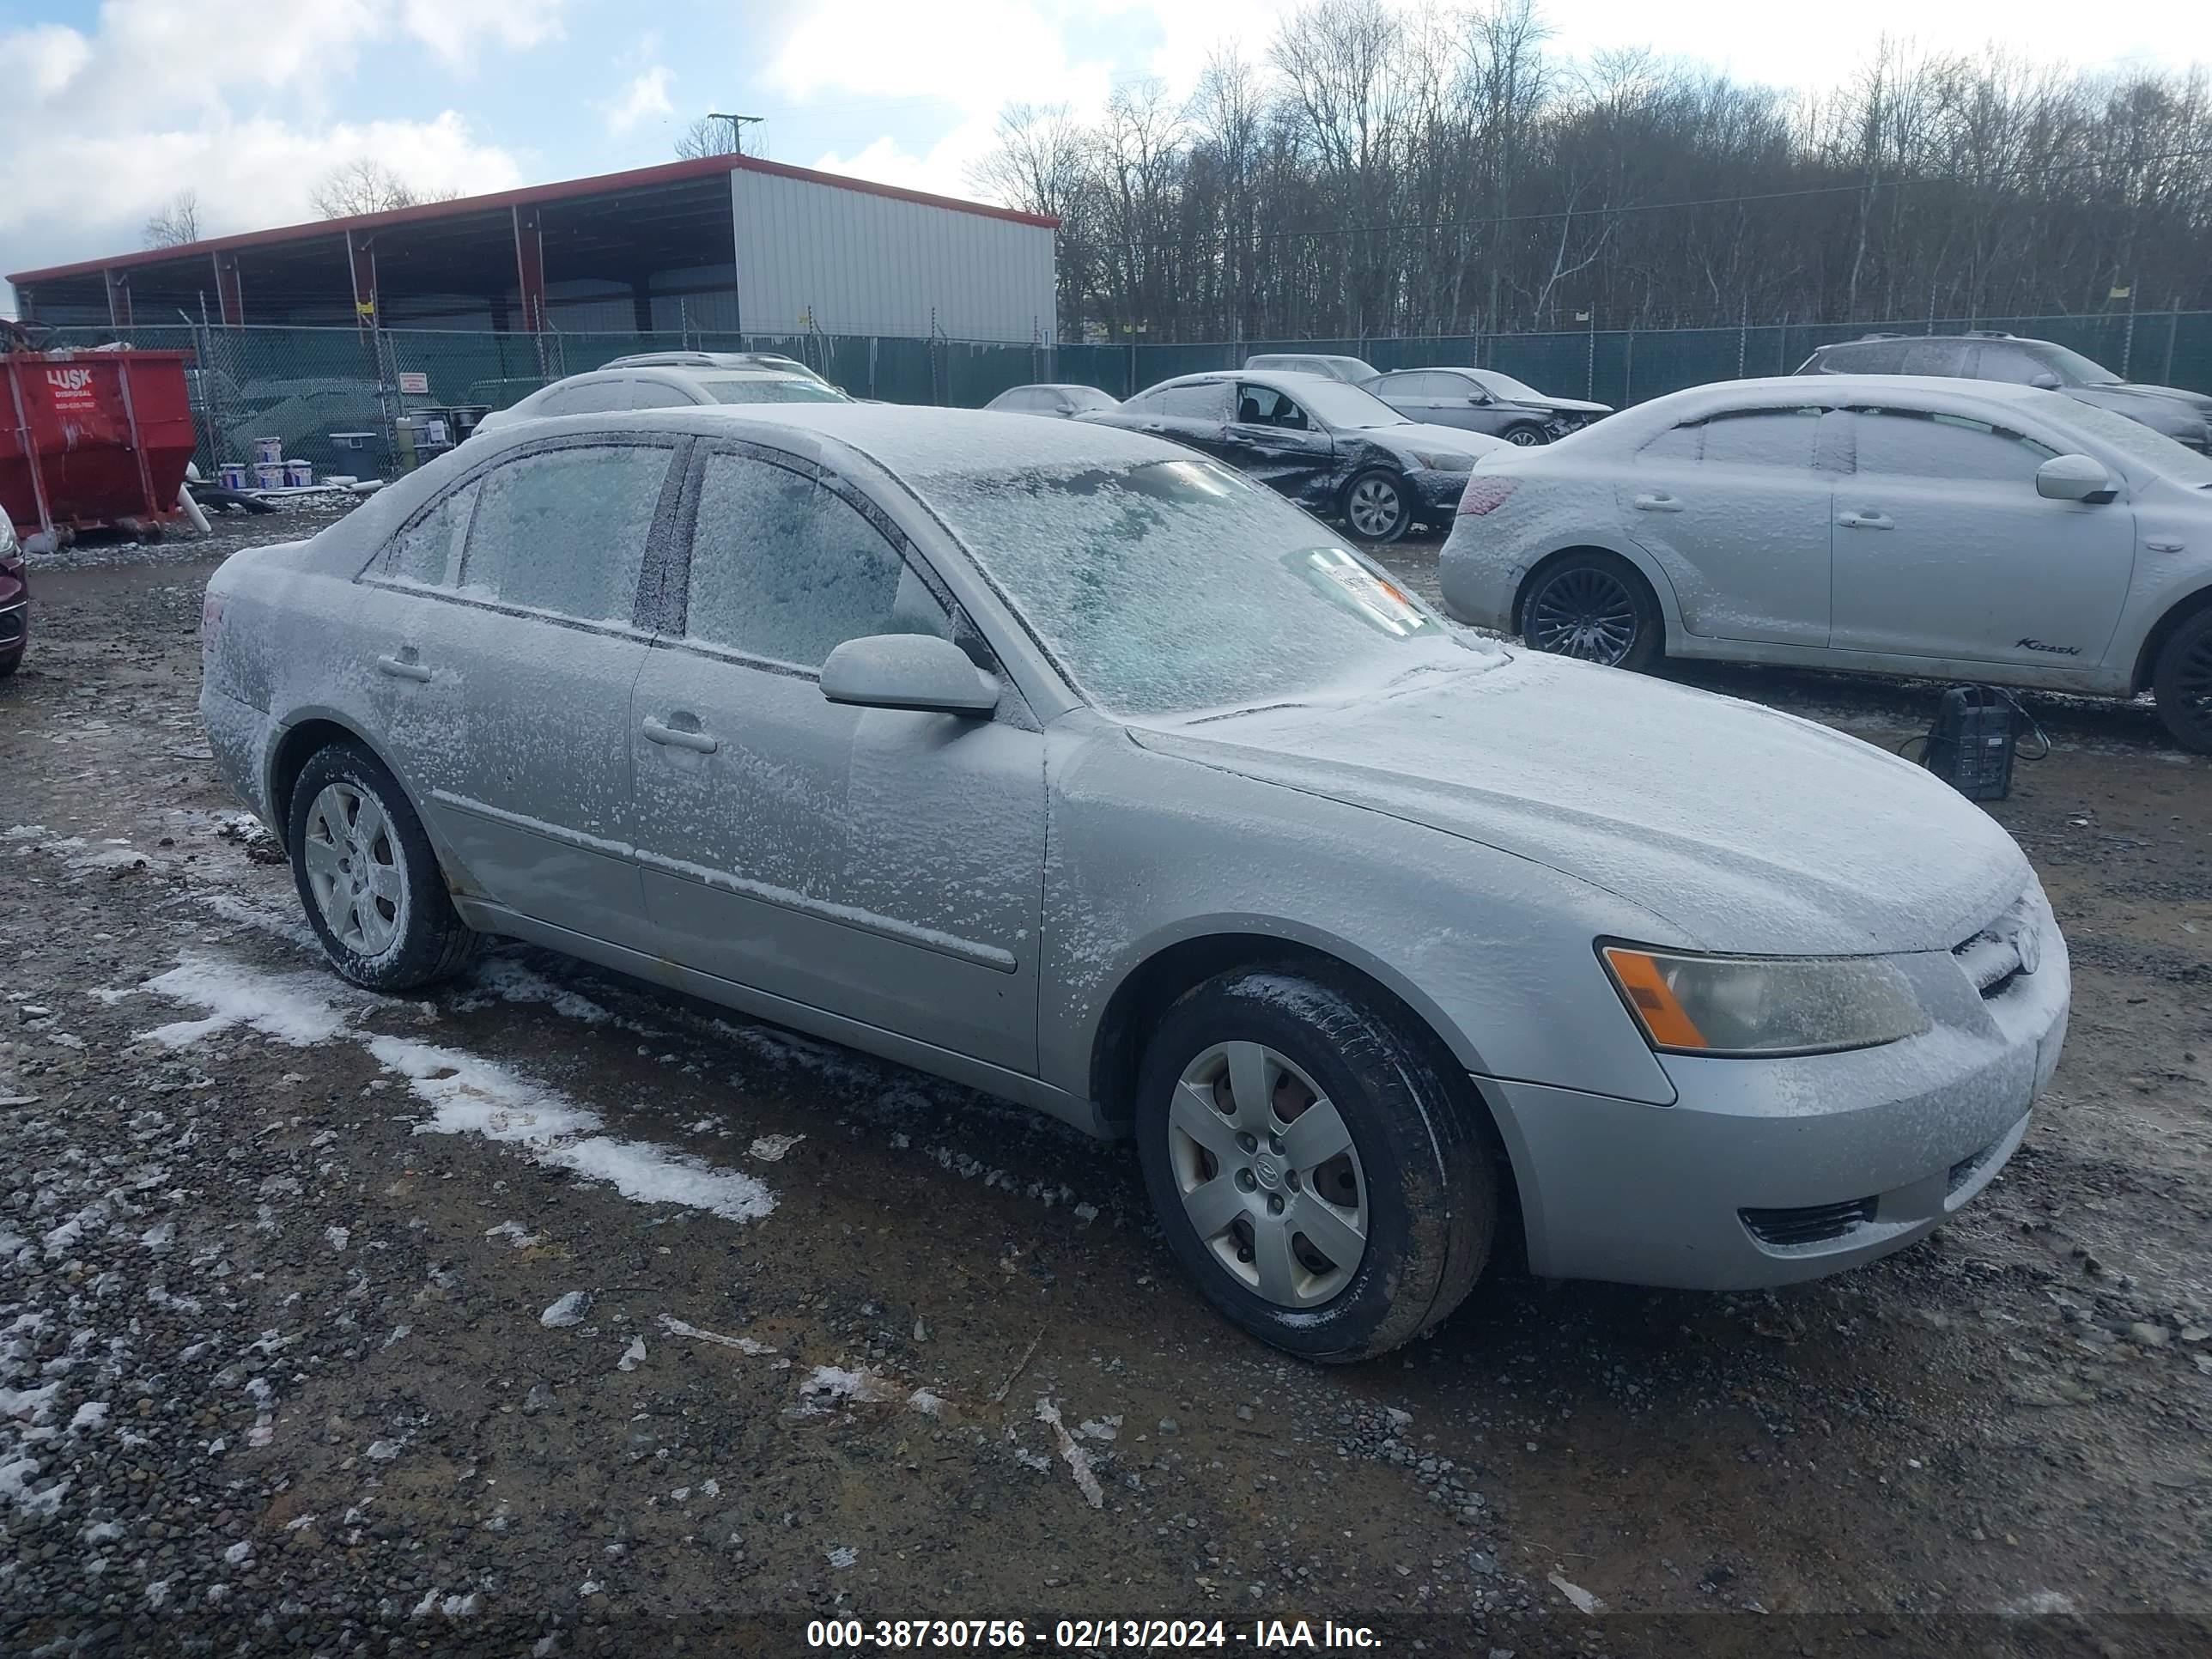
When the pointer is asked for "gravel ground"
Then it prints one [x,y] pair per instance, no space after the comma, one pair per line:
[551,1313]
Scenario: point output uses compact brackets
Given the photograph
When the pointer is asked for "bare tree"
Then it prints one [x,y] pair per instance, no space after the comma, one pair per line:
[708,136]
[366,186]
[176,224]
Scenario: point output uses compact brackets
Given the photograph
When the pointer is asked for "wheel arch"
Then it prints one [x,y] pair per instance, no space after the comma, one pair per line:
[1147,990]
[2162,630]
[313,731]
[1654,579]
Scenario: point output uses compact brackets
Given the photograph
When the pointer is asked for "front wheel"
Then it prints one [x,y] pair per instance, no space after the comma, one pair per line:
[1594,607]
[1524,437]
[2181,682]
[1378,507]
[1314,1166]
[367,876]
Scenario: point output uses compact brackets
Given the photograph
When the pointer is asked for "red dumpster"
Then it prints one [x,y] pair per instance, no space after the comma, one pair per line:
[92,437]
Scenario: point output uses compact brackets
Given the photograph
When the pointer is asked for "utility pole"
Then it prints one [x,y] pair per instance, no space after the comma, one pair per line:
[738,125]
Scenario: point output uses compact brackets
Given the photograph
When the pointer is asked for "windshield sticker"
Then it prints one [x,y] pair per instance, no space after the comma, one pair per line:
[1337,575]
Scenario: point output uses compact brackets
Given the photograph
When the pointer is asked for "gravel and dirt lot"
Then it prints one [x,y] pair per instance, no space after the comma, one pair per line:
[550,1313]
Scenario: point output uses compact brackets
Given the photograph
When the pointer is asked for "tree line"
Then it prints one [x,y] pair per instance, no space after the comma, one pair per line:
[1377,171]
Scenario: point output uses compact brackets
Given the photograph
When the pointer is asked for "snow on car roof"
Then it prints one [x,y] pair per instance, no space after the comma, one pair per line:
[918,440]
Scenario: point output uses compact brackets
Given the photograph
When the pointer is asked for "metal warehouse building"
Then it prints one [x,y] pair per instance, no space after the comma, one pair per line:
[723,244]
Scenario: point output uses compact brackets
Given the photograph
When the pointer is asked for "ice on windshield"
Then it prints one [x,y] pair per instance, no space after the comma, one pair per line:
[773,389]
[1167,586]
[1505,386]
[1335,405]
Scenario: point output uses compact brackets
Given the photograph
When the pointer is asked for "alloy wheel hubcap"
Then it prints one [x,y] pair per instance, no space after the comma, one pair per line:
[1375,506]
[1521,436]
[1585,614]
[353,865]
[1269,1177]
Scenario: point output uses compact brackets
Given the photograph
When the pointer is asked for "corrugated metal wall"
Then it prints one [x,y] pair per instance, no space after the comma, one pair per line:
[848,262]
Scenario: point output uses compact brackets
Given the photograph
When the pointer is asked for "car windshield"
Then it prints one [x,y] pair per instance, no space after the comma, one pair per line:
[1336,405]
[1174,587]
[1088,397]
[778,389]
[2131,438]
[1505,386]
[2073,367]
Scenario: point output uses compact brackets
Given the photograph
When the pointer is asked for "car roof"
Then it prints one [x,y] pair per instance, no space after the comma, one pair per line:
[1959,334]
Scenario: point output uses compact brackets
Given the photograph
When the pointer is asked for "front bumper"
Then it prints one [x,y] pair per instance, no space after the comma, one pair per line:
[1768,1171]
[1436,494]
[14,628]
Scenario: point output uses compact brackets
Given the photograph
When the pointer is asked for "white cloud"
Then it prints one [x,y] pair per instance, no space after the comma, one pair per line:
[645,96]
[231,100]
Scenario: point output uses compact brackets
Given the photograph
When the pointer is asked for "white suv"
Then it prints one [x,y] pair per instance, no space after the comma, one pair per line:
[673,380]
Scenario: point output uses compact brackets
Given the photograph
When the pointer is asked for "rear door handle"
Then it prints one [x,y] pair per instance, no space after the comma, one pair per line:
[701,743]
[1866,521]
[1658,503]
[402,668]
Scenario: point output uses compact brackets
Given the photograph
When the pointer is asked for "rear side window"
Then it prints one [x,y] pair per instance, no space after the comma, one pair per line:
[1913,444]
[1678,443]
[1864,358]
[429,551]
[784,568]
[565,530]
[651,394]
[1191,403]
[592,397]
[1260,405]
[1765,437]
[1951,358]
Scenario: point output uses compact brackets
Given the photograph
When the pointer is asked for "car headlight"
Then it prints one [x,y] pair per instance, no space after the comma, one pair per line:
[1691,1004]
[7,536]
[1444,460]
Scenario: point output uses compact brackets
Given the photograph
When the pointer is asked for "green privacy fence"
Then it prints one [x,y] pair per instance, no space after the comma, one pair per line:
[336,397]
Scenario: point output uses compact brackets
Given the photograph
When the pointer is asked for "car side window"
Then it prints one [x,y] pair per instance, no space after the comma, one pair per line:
[565,530]
[428,551]
[1261,405]
[1910,443]
[1949,358]
[655,394]
[1865,357]
[1762,437]
[783,567]
[592,397]
[2009,362]
[1678,443]
[1207,401]
[1424,385]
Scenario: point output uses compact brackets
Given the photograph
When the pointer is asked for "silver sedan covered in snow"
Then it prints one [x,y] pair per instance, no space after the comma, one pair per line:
[1877,523]
[1064,763]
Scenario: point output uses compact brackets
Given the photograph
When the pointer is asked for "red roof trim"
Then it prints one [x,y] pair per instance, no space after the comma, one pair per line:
[671,173]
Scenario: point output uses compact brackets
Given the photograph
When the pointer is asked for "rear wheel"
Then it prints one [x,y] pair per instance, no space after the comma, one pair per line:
[1594,607]
[1313,1162]
[1524,437]
[1378,507]
[367,876]
[2181,682]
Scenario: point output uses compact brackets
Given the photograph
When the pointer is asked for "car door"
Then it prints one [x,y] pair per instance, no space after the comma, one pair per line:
[1736,507]
[1196,415]
[1273,440]
[1944,549]
[1426,395]
[882,865]
[505,689]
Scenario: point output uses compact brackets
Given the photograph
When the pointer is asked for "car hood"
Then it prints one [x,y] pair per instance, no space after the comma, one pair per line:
[2156,406]
[2197,400]
[1746,829]
[1566,405]
[1418,435]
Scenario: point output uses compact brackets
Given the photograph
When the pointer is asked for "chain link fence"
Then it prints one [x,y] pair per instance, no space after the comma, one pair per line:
[339,398]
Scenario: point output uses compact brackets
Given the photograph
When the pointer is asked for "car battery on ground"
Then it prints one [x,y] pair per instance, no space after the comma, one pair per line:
[1972,743]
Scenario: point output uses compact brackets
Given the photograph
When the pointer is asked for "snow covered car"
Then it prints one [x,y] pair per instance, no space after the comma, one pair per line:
[1064,763]
[1948,529]
[671,380]
[15,600]
[1331,448]
[1060,401]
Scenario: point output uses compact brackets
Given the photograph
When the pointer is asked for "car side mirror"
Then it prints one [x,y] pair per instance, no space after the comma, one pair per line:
[2073,479]
[917,672]
[2046,381]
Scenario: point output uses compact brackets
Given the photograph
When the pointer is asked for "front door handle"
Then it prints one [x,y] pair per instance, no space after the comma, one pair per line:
[1658,503]
[404,667]
[1866,521]
[701,743]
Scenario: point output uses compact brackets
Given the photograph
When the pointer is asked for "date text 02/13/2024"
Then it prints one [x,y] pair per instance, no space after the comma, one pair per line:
[1090,1635]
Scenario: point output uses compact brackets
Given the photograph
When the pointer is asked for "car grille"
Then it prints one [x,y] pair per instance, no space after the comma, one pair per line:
[1814,1224]
[1991,957]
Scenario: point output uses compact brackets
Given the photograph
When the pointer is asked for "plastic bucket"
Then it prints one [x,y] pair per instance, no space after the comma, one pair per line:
[298,474]
[231,475]
[268,451]
[268,475]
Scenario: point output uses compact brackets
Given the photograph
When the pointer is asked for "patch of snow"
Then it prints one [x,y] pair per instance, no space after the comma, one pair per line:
[515,1233]
[93,1414]
[291,1008]
[773,1149]
[633,1356]
[842,1556]
[1076,1459]
[568,1310]
[238,1552]
[337,1236]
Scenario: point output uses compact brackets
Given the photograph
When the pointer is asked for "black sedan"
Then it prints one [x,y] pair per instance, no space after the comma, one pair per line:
[1483,400]
[1331,448]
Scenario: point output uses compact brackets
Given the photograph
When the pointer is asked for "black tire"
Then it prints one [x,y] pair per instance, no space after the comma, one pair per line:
[2181,682]
[1423,1173]
[9,664]
[430,942]
[1524,437]
[1376,481]
[1595,607]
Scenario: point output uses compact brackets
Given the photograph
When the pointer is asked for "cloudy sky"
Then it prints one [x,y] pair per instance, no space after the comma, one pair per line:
[111,108]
